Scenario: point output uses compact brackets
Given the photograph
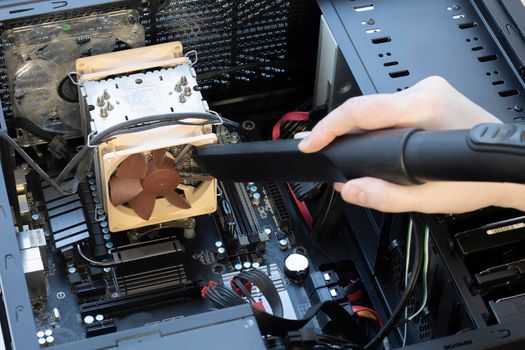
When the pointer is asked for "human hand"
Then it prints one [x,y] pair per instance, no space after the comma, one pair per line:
[432,104]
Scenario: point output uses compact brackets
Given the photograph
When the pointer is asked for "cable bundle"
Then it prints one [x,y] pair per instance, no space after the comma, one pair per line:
[223,297]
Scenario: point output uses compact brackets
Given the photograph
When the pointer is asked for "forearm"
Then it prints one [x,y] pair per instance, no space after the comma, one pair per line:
[511,196]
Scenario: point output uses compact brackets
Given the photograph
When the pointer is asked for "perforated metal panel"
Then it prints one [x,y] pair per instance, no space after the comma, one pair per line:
[265,35]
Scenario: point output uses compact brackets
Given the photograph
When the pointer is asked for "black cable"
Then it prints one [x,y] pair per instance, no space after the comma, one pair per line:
[31,127]
[94,262]
[267,288]
[405,296]
[6,138]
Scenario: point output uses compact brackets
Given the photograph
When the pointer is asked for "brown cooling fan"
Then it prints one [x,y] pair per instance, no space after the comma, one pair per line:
[140,180]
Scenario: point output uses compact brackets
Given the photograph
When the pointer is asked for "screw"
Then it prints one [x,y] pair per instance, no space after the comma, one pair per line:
[187,91]
[100,101]
[103,112]
[106,95]
[518,108]
[370,21]
[109,106]
[183,81]
[182,98]
[178,88]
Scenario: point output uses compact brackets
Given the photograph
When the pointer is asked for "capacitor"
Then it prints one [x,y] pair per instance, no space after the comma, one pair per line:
[238,266]
[89,319]
[234,137]
[40,334]
[246,264]
[99,318]
[268,231]
[256,265]
[50,339]
[48,332]
[221,253]
[283,244]
[41,341]
[296,267]
[256,198]
[252,188]
[218,244]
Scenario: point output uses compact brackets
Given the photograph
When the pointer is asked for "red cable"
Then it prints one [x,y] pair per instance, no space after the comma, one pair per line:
[357,308]
[276,134]
[290,116]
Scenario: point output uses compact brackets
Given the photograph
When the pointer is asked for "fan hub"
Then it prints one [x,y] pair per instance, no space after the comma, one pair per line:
[161,182]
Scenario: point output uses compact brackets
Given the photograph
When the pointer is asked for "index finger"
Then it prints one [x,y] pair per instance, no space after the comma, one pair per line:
[360,113]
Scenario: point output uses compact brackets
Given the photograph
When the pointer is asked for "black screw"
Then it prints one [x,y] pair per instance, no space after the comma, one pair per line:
[370,21]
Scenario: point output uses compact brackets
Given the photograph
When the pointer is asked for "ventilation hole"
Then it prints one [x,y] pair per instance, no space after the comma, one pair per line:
[116,86]
[380,55]
[382,40]
[138,81]
[453,7]
[518,119]
[399,74]
[496,72]
[171,109]
[498,82]
[91,108]
[488,74]
[21,10]
[388,54]
[161,78]
[399,89]
[477,48]
[372,31]
[487,58]
[391,63]
[508,93]
[467,40]
[458,16]
[468,25]
[475,39]
[126,117]
[364,8]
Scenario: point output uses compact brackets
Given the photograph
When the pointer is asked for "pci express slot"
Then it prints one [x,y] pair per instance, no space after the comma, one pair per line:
[283,216]
[145,282]
[129,304]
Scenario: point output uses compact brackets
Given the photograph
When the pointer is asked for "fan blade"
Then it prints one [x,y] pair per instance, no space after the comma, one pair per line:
[177,200]
[158,156]
[168,163]
[161,182]
[133,167]
[143,205]
[122,190]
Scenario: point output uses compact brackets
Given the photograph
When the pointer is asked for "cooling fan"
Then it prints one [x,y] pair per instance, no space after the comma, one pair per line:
[142,178]
[40,58]
[156,182]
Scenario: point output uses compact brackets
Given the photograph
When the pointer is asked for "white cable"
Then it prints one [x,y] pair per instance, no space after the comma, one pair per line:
[407,266]
[425,275]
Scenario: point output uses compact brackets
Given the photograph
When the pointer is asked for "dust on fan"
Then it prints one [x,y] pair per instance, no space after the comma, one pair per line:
[144,177]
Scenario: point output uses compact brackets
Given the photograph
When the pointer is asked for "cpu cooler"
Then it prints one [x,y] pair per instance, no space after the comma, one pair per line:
[148,176]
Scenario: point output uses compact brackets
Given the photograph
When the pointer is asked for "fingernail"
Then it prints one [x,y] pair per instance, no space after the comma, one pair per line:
[353,194]
[338,186]
[304,143]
